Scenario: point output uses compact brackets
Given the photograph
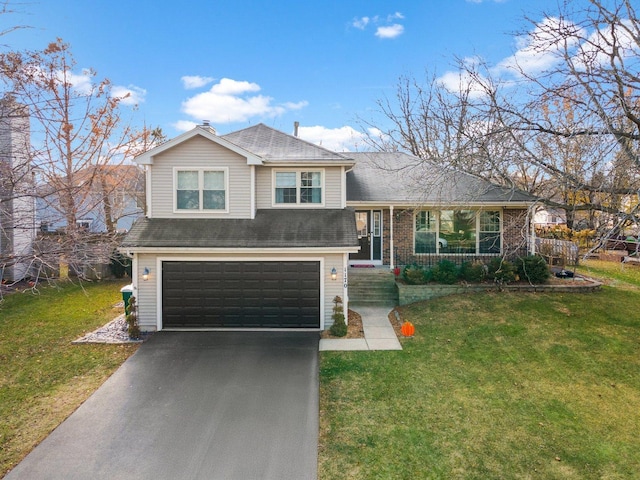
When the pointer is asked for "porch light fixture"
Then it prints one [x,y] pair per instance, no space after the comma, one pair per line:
[145,274]
[334,274]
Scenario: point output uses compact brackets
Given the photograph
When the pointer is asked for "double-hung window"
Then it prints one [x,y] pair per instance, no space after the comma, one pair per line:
[298,187]
[201,190]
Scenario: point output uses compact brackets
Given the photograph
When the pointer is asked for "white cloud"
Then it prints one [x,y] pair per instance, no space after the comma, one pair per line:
[383,29]
[343,139]
[195,81]
[81,83]
[228,86]
[361,23]
[542,48]
[458,82]
[130,95]
[230,101]
[391,31]
[184,125]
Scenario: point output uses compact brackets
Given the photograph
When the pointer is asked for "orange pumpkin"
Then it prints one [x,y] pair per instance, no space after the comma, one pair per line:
[408,329]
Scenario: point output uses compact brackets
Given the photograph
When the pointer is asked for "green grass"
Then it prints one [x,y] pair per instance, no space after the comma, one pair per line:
[493,385]
[43,378]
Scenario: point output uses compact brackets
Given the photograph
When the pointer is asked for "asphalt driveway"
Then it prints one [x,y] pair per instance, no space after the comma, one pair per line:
[195,405]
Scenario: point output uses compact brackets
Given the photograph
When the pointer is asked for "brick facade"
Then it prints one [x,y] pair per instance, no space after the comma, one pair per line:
[514,235]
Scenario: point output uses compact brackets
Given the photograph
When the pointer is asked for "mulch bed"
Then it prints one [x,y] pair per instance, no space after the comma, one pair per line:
[354,328]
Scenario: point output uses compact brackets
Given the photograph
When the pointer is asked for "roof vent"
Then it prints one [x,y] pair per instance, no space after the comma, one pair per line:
[205,123]
[296,125]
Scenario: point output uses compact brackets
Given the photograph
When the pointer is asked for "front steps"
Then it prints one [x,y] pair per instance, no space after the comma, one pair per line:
[372,287]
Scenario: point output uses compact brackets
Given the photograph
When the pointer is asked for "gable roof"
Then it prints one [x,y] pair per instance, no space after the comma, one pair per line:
[275,146]
[146,158]
[402,179]
[271,228]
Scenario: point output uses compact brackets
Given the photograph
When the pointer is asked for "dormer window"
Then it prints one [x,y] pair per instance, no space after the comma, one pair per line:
[200,190]
[294,187]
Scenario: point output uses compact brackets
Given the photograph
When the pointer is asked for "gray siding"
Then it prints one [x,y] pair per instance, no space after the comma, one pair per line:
[199,152]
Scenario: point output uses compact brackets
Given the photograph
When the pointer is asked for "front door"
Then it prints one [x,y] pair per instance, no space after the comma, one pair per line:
[369,230]
[362,228]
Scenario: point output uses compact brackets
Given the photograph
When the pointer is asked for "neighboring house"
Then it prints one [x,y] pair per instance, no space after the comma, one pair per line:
[549,217]
[110,198]
[17,206]
[257,228]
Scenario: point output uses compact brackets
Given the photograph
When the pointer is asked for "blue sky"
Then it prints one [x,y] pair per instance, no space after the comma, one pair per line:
[242,62]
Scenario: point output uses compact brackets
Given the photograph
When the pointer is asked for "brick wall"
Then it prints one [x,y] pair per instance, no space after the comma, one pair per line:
[515,233]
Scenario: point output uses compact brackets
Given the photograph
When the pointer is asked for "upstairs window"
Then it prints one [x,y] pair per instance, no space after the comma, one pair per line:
[201,190]
[298,187]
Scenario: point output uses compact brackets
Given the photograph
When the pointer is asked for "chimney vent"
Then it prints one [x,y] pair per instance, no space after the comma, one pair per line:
[296,125]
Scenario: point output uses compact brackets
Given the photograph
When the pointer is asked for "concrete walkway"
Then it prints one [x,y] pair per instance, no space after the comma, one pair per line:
[378,333]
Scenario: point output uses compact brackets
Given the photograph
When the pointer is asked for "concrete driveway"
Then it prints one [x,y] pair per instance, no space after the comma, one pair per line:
[195,405]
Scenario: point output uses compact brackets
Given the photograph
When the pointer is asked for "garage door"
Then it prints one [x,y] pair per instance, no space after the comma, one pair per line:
[241,294]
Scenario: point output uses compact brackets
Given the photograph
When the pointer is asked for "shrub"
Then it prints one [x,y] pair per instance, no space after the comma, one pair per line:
[415,275]
[445,272]
[132,319]
[501,271]
[533,269]
[339,327]
[472,272]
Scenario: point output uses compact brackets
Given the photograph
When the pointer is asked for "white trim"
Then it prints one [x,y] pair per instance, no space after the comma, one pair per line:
[298,171]
[391,255]
[201,171]
[252,194]
[477,230]
[345,286]
[343,188]
[159,260]
[147,179]
[252,251]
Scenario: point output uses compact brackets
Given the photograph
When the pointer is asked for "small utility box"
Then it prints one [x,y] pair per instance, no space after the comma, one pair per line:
[126,291]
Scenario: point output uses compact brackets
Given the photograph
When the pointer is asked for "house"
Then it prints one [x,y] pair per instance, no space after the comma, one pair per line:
[109,198]
[258,228]
[17,204]
[549,217]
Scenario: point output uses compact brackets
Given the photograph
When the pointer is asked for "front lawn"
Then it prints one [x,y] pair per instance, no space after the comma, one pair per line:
[43,378]
[492,386]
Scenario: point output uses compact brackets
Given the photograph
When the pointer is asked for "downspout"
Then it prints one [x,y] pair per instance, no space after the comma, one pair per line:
[147,187]
[252,194]
[391,255]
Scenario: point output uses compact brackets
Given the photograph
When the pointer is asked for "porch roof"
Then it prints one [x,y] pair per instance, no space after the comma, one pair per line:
[399,178]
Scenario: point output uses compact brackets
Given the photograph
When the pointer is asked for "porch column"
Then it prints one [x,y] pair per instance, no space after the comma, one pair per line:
[391,259]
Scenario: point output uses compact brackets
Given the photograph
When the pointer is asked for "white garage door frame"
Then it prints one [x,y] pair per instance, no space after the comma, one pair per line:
[222,258]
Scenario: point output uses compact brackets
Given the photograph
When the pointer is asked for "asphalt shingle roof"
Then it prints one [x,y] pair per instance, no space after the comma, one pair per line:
[271,228]
[273,145]
[399,178]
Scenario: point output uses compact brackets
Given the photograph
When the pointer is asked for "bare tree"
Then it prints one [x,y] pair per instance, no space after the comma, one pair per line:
[560,118]
[78,141]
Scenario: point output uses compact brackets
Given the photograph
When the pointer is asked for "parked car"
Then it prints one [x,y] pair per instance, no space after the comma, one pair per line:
[629,243]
